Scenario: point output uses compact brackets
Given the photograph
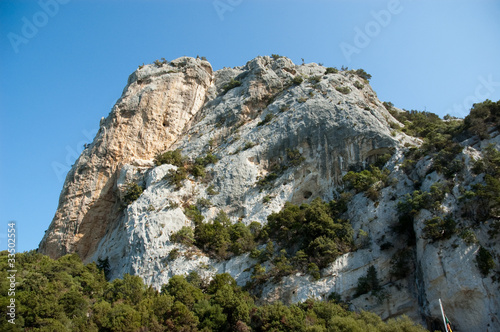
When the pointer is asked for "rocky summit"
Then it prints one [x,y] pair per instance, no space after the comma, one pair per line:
[260,155]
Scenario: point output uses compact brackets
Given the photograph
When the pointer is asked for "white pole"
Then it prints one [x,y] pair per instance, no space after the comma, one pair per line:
[444,319]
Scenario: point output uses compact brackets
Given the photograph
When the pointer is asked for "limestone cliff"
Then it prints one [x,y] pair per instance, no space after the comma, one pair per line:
[155,107]
[250,117]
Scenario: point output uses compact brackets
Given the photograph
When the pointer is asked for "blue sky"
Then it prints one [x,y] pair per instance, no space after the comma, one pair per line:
[64,63]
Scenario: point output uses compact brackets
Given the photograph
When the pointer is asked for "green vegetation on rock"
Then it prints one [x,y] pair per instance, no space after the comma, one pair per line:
[66,295]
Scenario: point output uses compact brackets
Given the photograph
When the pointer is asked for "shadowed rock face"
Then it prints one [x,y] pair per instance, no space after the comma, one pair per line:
[154,108]
[251,128]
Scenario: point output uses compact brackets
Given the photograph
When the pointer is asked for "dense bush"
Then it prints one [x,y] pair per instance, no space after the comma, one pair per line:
[315,229]
[484,201]
[484,261]
[331,70]
[267,119]
[343,89]
[401,263]
[361,181]
[297,80]
[65,295]
[363,74]
[220,239]
[438,228]
[358,85]
[184,236]
[132,192]
[176,176]
[170,157]
[231,85]
[292,158]
[482,117]
[368,283]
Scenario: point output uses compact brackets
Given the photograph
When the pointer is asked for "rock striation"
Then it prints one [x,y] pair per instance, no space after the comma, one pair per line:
[250,117]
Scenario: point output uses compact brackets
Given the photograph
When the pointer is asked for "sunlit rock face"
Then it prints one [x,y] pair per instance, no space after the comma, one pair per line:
[334,121]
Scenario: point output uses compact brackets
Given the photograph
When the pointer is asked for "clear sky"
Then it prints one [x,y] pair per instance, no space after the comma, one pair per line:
[64,63]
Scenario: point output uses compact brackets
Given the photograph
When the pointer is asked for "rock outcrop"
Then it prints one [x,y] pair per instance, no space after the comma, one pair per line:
[155,107]
[250,117]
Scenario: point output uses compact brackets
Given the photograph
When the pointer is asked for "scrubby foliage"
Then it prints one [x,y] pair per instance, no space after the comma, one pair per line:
[438,228]
[343,89]
[315,230]
[362,181]
[170,157]
[368,283]
[176,177]
[485,261]
[292,158]
[483,202]
[221,240]
[184,167]
[66,295]
[363,74]
[132,192]
[231,85]
[297,80]
[482,117]
[401,263]
[310,237]
[331,70]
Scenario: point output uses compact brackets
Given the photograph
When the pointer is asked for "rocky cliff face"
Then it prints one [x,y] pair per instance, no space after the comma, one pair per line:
[333,120]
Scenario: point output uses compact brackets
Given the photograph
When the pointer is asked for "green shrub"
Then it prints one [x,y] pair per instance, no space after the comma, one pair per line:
[207,160]
[297,80]
[267,119]
[221,239]
[284,108]
[170,157]
[184,236]
[362,181]
[358,85]
[197,171]
[401,263]
[314,79]
[203,203]
[266,199]
[66,295]
[468,236]
[211,190]
[176,176]
[485,262]
[231,85]
[276,56]
[388,105]
[344,89]
[267,180]
[331,70]
[132,192]
[294,157]
[312,228]
[248,145]
[482,117]
[438,228]
[193,213]
[368,283]
[363,74]
[174,254]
